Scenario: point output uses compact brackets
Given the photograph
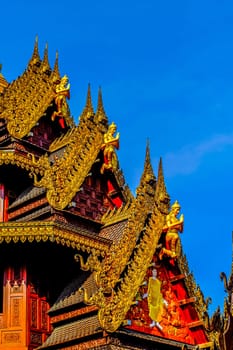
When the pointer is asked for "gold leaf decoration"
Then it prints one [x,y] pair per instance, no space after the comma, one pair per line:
[64,178]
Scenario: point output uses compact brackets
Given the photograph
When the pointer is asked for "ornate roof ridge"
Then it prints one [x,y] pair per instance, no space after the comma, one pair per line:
[148,180]
[100,116]
[64,178]
[116,215]
[27,98]
[162,198]
[123,295]
[55,232]
[55,73]
[3,81]
[35,59]
[10,156]
[20,119]
[45,63]
[62,141]
[88,110]
[119,254]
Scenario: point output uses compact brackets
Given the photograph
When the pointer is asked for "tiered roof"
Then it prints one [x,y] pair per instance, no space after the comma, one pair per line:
[117,249]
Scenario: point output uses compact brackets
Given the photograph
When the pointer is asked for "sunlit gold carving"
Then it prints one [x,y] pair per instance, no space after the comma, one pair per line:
[62,141]
[119,254]
[114,309]
[65,176]
[3,82]
[110,143]
[92,263]
[8,156]
[114,302]
[117,214]
[172,227]
[62,93]
[50,231]
[88,111]
[162,198]
[21,105]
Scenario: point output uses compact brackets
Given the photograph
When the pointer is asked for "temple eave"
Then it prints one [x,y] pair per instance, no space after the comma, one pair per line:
[54,232]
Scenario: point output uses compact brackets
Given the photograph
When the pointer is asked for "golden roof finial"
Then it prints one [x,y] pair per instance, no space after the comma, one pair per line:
[3,82]
[148,164]
[56,74]
[100,115]
[148,176]
[146,188]
[45,63]
[162,198]
[88,110]
[35,56]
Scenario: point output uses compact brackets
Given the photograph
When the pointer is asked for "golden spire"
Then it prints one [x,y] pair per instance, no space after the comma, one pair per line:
[162,198]
[35,56]
[148,166]
[148,179]
[88,110]
[56,74]
[3,82]
[45,62]
[100,116]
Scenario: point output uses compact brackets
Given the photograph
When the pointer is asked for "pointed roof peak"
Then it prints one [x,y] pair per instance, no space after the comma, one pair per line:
[146,187]
[147,157]
[3,82]
[148,171]
[35,55]
[100,115]
[45,63]
[56,74]
[162,197]
[160,171]
[88,110]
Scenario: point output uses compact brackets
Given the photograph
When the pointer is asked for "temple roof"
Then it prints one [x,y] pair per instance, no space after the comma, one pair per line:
[76,330]
[73,295]
[35,90]
[76,237]
[117,250]
[29,194]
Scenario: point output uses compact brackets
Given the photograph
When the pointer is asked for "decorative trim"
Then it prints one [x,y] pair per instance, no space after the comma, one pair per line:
[54,232]
[29,163]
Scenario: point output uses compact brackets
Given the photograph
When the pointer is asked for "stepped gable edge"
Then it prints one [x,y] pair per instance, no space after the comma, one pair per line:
[26,99]
[132,284]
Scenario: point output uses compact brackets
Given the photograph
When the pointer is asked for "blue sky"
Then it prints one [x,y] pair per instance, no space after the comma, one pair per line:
[166,72]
